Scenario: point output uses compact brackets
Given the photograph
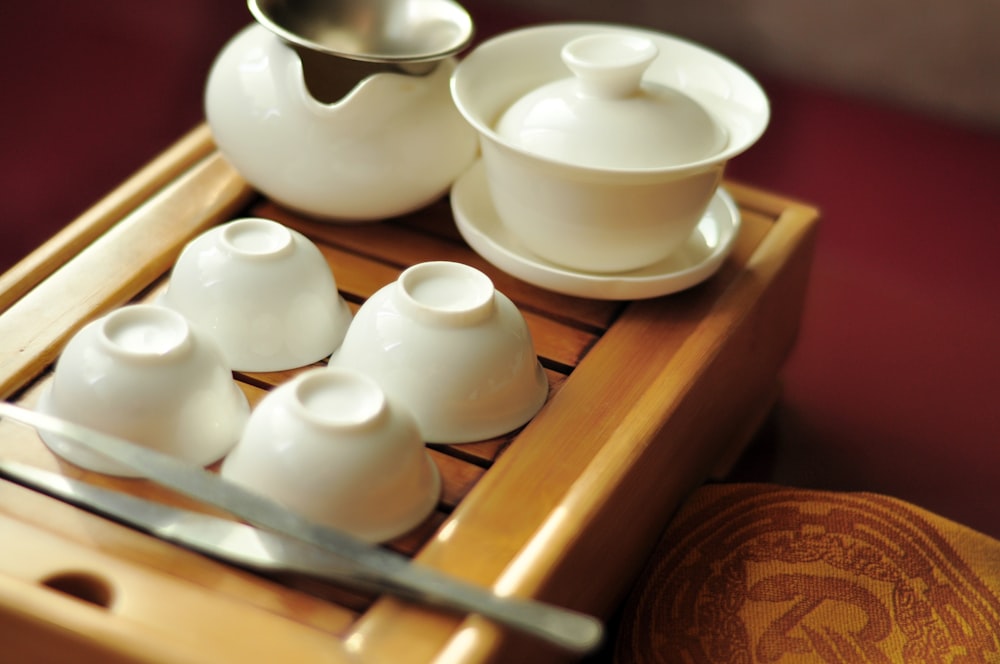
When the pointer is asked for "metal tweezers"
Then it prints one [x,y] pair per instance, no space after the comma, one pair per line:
[284,541]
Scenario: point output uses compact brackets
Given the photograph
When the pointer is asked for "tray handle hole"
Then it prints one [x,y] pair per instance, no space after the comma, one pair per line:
[82,585]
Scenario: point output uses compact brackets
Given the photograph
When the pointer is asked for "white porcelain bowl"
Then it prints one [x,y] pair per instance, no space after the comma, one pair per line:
[457,352]
[590,194]
[333,447]
[393,144]
[264,291]
[144,373]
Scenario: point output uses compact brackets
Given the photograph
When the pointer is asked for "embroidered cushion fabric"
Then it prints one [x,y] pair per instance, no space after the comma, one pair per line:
[760,573]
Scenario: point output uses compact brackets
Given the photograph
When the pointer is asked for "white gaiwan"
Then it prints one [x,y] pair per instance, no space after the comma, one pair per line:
[606,116]
[392,144]
[604,145]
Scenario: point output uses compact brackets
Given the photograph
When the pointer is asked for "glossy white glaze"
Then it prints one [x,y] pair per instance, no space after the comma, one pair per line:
[457,352]
[393,144]
[332,446]
[263,291]
[144,373]
[697,259]
[607,116]
[604,219]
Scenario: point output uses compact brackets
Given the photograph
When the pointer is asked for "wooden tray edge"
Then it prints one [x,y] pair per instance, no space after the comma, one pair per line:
[773,287]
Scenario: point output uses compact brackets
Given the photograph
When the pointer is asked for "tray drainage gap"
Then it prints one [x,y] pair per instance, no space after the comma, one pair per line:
[84,586]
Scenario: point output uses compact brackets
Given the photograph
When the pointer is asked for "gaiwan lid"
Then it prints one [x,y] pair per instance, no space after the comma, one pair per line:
[607,116]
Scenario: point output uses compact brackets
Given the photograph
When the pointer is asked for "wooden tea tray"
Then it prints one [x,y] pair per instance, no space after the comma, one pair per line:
[647,400]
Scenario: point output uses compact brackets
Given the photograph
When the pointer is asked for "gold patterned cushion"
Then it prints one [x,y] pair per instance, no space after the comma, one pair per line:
[761,573]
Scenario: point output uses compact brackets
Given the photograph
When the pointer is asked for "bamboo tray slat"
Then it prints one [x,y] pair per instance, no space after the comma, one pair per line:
[646,398]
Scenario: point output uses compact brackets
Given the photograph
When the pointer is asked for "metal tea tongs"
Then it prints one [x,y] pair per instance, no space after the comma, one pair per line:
[283,541]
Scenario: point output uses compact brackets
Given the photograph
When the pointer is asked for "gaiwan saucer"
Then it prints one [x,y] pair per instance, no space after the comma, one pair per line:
[697,260]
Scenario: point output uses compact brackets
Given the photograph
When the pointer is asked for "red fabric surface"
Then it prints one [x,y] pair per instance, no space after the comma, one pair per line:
[893,385]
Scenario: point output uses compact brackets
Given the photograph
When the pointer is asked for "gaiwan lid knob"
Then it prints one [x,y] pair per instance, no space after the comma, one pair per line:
[607,115]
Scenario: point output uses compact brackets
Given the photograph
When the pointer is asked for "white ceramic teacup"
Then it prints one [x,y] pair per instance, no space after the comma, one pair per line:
[442,340]
[264,291]
[332,446]
[145,374]
[602,177]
